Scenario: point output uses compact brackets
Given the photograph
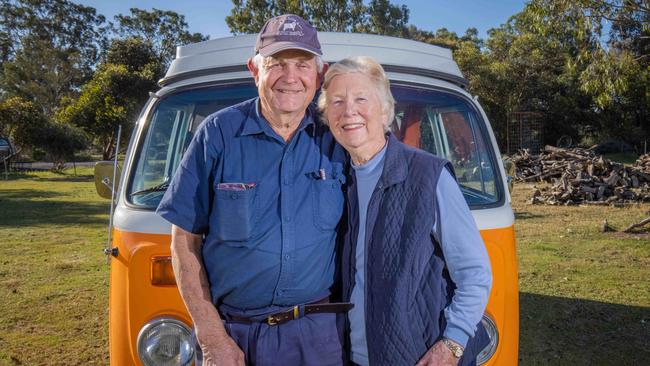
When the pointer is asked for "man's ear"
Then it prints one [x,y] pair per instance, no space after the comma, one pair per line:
[254,70]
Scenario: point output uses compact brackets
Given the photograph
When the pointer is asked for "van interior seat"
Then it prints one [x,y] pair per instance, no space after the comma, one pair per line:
[410,127]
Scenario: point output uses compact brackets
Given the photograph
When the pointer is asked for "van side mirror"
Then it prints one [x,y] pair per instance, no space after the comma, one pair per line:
[104,178]
[509,167]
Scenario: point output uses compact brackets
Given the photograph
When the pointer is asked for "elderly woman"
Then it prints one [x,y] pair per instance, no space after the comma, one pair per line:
[413,261]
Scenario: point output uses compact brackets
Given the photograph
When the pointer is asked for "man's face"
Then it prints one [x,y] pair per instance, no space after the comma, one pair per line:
[286,81]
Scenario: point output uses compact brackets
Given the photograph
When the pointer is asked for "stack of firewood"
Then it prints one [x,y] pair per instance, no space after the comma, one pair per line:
[643,163]
[579,176]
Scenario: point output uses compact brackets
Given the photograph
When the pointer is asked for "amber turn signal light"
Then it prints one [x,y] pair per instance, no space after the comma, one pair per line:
[162,273]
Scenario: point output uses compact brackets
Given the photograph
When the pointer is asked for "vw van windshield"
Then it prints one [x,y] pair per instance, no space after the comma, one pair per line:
[442,123]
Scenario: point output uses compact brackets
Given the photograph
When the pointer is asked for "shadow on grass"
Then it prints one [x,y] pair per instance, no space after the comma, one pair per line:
[15,175]
[18,208]
[25,194]
[67,178]
[564,331]
[524,215]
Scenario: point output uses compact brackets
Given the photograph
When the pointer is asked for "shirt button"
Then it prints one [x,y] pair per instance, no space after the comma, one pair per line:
[286,181]
[287,256]
[233,196]
[288,219]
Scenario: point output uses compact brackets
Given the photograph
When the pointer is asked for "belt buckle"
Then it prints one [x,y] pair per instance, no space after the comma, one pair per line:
[271,320]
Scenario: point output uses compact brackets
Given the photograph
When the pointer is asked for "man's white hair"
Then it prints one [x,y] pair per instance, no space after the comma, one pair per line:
[258,61]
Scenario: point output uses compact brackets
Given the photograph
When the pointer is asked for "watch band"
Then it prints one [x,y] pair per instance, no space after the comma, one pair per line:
[455,348]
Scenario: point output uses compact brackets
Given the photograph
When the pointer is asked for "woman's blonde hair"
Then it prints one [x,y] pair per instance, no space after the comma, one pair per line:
[367,66]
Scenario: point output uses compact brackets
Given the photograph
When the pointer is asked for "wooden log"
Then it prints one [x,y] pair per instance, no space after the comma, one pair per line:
[587,189]
[596,203]
[612,179]
[601,191]
[639,224]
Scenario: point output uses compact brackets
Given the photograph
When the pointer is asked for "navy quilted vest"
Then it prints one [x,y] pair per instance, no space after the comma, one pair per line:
[406,272]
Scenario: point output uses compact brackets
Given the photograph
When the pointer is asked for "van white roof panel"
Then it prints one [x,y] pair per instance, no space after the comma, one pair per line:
[231,53]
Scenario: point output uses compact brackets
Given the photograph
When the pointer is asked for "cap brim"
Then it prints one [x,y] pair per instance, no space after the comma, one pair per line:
[276,47]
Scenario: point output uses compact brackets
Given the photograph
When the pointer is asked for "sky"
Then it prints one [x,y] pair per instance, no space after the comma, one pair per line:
[208,16]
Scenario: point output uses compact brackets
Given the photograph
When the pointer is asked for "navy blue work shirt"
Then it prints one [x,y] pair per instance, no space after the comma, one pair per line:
[268,209]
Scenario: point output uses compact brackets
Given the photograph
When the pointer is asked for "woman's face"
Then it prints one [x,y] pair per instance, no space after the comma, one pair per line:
[355,115]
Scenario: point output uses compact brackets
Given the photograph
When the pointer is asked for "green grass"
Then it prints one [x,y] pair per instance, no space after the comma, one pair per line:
[53,275]
[623,158]
[585,295]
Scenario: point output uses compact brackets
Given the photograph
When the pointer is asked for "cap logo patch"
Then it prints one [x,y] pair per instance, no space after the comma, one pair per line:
[291,28]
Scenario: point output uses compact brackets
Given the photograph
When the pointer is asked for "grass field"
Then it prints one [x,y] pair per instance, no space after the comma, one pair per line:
[585,295]
[53,274]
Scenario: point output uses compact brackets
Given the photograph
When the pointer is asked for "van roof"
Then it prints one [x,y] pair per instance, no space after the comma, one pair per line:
[395,54]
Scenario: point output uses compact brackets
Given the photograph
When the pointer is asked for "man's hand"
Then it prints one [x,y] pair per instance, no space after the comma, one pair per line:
[220,351]
[438,355]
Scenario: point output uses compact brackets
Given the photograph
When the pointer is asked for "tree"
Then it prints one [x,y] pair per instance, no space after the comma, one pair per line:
[43,74]
[137,55]
[442,37]
[630,30]
[18,117]
[25,123]
[163,29]
[48,49]
[387,19]
[378,17]
[60,142]
[335,16]
[609,75]
[115,94]
[248,15]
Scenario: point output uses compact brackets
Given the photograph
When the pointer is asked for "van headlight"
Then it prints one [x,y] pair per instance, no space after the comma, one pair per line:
[487,352]
[165,342]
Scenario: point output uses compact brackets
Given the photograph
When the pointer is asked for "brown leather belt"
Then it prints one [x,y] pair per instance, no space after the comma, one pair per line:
[322,306]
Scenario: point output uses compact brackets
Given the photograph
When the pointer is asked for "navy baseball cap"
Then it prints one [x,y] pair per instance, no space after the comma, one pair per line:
[287,32]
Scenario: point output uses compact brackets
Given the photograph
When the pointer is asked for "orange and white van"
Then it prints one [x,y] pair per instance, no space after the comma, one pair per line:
[149,324]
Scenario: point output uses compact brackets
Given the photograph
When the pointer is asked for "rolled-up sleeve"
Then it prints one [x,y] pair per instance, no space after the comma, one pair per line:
[466,258]
[186,202]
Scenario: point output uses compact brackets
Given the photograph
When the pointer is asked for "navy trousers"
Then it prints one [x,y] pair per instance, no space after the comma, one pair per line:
[312,340]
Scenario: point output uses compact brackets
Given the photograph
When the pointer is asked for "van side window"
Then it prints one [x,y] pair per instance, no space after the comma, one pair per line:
[446,125]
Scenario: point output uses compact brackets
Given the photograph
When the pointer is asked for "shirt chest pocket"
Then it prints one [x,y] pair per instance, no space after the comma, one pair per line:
[234,213]
[328,203]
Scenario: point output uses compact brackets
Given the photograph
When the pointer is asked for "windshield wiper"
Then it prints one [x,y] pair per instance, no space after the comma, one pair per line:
[159,188]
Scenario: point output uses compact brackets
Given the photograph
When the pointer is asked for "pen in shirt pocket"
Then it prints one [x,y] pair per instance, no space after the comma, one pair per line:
[321,174]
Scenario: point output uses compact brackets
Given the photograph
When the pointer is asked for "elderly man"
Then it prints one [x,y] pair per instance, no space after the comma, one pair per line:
[254,207]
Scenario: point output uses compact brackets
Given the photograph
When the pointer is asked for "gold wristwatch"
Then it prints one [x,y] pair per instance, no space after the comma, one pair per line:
[455,348]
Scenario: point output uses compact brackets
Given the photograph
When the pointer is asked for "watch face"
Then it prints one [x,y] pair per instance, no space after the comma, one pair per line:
[456,350]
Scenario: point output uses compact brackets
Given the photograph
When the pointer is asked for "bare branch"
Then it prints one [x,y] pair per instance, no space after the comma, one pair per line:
[637,225]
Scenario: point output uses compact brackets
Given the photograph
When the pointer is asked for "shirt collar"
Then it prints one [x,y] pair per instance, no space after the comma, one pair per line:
[372,165]
[255,123]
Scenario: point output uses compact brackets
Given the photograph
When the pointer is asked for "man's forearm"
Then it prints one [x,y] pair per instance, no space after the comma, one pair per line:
[192,282]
